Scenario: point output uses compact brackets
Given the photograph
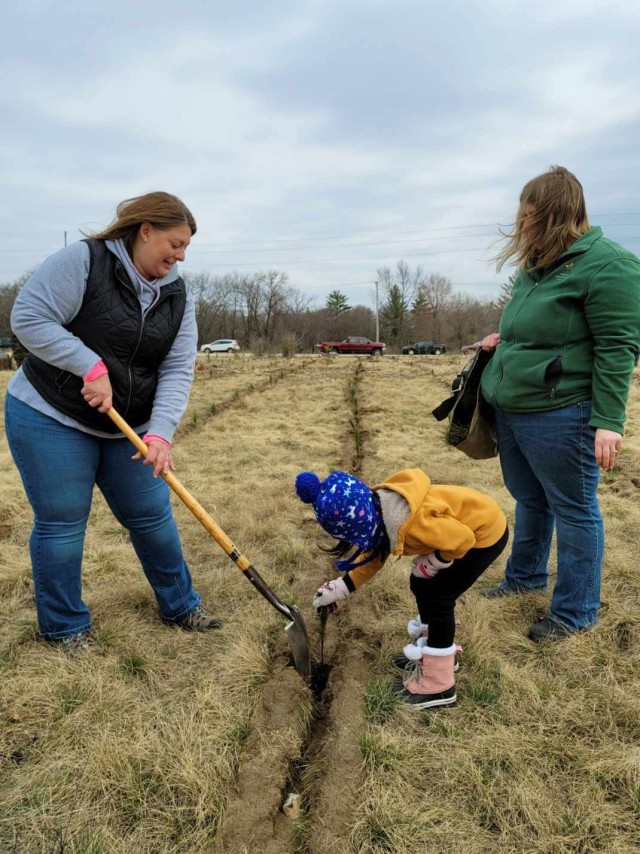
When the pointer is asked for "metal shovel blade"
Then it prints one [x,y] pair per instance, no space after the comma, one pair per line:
[296,629]
[299,642]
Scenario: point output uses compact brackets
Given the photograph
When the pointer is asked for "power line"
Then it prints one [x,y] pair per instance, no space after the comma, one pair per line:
[381,233]
[359,236]
[198,251]
[347,260]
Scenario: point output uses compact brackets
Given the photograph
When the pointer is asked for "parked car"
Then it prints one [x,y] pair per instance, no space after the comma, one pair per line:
[222,345]
[423,348]
[352,344]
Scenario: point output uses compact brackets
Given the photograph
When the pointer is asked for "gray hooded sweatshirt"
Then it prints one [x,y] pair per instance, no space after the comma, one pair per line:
[51,299]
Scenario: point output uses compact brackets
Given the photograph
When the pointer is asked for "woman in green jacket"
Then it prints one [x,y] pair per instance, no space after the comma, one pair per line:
[559,381]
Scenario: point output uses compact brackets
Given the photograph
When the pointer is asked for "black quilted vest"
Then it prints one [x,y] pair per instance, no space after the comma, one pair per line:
[110,322]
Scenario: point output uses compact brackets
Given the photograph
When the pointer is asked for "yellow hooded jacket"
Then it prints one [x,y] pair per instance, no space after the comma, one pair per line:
[451,519]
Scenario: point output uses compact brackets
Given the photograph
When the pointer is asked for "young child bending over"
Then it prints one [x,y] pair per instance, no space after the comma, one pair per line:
[453,534]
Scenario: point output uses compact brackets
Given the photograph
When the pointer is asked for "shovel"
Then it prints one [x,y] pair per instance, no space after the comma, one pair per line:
[296,629]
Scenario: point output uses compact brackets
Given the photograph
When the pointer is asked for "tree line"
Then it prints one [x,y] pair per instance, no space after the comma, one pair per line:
[266,314]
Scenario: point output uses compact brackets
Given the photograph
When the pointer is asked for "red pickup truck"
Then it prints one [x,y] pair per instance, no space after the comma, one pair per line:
[352,344]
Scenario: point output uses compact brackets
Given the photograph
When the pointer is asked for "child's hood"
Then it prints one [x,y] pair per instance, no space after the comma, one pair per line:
[414,486]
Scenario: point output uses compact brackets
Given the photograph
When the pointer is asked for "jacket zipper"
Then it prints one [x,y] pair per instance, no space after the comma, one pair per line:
[124,281]
[501,377]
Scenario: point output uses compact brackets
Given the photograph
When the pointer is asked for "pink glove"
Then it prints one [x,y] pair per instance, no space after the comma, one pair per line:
[427,566]
[330,593]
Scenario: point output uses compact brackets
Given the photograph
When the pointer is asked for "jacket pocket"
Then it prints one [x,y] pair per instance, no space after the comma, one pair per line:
[553,374]
[62,379]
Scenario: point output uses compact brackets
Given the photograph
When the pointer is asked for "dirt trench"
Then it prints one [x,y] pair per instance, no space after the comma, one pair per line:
[323,765]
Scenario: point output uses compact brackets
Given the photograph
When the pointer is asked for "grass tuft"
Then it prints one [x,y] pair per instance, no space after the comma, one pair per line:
[380,701]
[133,665]
[71,698]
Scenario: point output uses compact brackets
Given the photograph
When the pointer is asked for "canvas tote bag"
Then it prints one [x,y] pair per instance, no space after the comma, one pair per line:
[471,419]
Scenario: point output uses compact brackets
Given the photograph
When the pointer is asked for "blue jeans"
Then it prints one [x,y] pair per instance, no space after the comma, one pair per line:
[549,467]
[59,467]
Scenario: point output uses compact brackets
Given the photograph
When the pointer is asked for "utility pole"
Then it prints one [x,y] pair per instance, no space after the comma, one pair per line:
[377,315]
[65,238]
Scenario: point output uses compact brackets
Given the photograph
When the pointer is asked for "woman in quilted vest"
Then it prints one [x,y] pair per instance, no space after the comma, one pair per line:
[106,321]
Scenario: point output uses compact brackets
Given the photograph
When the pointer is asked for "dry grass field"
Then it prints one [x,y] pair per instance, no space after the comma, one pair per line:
[177,743]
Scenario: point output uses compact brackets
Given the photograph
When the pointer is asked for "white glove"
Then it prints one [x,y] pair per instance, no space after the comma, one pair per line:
[330,593]
[427,566]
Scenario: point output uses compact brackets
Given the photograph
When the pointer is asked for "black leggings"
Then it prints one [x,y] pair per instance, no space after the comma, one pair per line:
[436,597]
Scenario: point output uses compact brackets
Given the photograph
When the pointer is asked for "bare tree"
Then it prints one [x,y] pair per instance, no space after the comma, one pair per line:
[435,293]
[262,301]
[212,296]
[275,296]
[461,320]
[466,319]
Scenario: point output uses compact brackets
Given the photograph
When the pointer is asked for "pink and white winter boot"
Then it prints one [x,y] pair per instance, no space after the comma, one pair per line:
[419,632]
[429,681]
[401,661]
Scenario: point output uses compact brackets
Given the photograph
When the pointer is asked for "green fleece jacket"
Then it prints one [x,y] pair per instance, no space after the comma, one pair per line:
[570,333]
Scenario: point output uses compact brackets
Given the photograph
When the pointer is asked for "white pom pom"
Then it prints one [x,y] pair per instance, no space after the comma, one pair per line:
[413,652]
[415,628]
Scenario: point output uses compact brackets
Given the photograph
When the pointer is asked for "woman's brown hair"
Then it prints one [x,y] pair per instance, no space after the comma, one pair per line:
[558,219]
[161,210]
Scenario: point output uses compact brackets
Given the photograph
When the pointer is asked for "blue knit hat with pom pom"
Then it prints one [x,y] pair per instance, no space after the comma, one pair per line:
[346,508]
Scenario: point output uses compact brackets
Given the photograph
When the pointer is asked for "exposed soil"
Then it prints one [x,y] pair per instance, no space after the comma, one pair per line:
[324,766]
[253,818]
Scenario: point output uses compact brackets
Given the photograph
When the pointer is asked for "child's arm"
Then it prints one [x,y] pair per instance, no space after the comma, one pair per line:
[450,537]
[361,574]
[341,588]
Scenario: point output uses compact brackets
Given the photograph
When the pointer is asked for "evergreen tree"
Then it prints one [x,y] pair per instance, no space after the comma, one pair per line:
[337,303]
[420,304]
[394,313]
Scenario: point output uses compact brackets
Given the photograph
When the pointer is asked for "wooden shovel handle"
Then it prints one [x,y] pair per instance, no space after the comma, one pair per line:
[296,629]
[185,496]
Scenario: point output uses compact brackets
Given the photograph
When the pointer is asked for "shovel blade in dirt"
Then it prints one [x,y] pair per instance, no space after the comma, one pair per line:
[299,643]
[296,629]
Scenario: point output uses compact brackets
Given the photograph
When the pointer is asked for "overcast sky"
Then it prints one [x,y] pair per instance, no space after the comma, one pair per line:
[320,138]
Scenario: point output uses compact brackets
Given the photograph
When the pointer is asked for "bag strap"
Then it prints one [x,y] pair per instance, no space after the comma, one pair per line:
[441,411]
[477,364]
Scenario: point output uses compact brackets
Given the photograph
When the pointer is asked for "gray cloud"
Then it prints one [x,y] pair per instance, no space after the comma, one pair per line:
[322,138]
